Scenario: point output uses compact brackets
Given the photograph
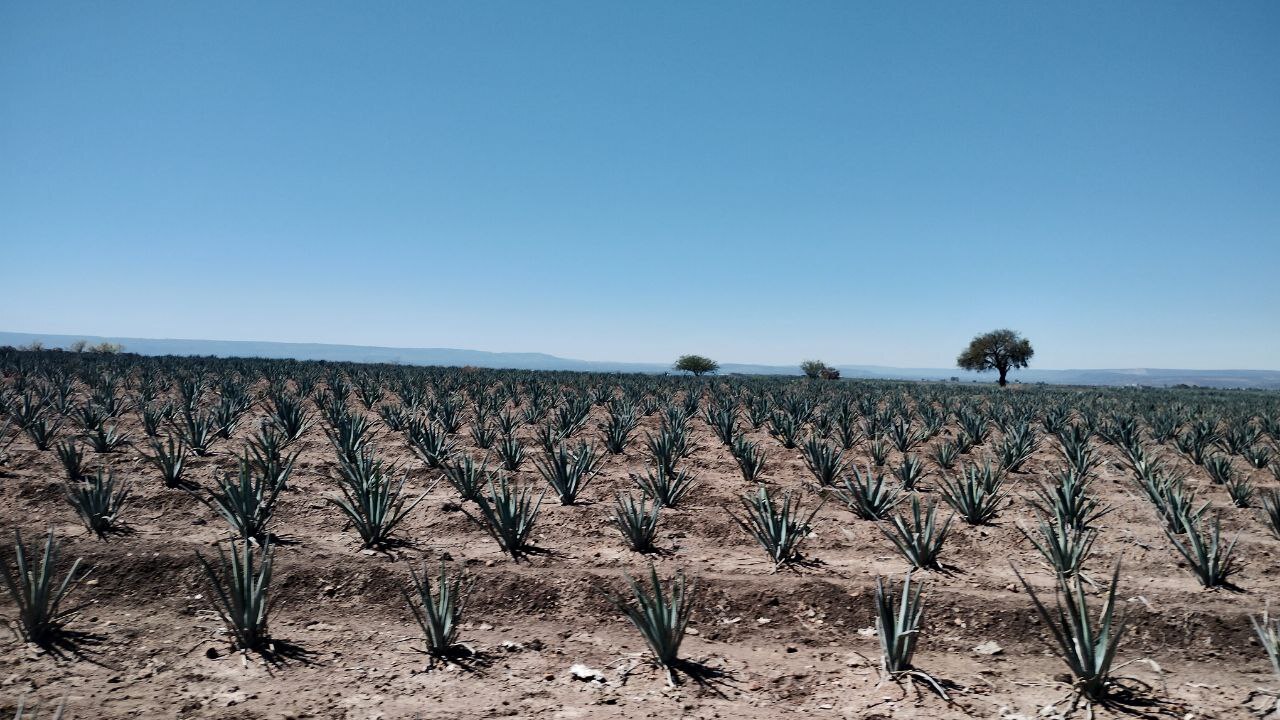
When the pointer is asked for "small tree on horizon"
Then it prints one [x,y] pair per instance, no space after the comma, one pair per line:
[813,368]
[999,350]
[696,364]
[817,369]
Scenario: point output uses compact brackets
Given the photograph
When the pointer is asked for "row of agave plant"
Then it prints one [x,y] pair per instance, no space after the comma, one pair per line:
[374,503]
[821,424]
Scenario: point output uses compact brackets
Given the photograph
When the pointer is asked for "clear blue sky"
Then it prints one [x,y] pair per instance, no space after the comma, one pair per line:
[760,182]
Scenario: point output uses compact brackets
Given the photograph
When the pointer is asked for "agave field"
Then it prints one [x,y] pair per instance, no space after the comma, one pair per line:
[219,538]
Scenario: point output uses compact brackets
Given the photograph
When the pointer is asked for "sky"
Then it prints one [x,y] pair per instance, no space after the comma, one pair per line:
[858,182]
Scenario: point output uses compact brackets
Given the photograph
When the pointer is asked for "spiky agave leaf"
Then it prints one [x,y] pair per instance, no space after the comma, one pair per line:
[1268,631]
[750,458]
[1068,501]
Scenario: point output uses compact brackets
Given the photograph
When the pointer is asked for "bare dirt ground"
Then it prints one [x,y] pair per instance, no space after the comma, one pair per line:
[794,642]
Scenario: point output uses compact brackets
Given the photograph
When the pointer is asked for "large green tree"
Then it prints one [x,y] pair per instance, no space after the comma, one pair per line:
[999,350]
[696,364]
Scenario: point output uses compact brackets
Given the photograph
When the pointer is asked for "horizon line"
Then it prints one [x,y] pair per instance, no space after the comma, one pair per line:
[38,335]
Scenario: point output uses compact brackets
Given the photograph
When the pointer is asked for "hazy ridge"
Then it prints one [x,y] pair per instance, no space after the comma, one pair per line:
[1257,379]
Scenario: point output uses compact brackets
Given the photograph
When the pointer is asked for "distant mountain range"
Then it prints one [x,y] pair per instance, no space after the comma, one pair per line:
[1255,379]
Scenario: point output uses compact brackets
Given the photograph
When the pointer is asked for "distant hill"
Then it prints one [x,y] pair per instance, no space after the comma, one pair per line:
[1256,379]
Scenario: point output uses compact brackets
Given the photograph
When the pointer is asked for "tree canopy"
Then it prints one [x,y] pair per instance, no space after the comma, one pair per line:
[818,369]
[696,364]
[999,350]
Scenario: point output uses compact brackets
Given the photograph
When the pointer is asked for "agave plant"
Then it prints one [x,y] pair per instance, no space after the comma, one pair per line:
[37,593]
[898,626]
[879,450]
[569,472]
[786,428]
[750,458]
[1018,445]
[196,431]
[465,476]
[394,415]
[1258,457]
[430,443]
[1240,489]
[779,528]
[723,420]
[226,416]
[1210,561]
[902,435]
[1268,631]
[1220,469]
[99,502]
[373,502]
[1271,511]
[269,458]
[1068,502]
[509,512]
[1175,502]
[1063,547]
[509,422]
[1088,647]
[918,537]
[945,454]
[42,432]
[510,452]
[247,502]
[867,495]
[290,415]
[349,434]
[824,461]
[910,471]
[240,587]
[72,459]
[106,438]
[617,430]
[661,615]
[636,520]
[974,426]
[170,459]
[669,446]
[483,434]
[438,612]
[1076,448]
[667,489]
[976,495]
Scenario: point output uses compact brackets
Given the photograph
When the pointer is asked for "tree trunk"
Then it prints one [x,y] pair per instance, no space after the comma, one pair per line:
[1003,371]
